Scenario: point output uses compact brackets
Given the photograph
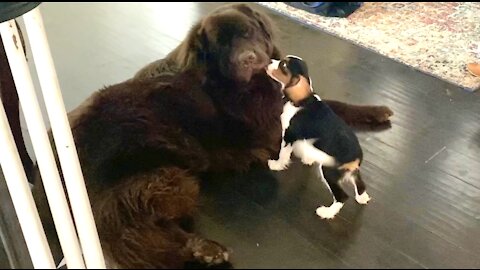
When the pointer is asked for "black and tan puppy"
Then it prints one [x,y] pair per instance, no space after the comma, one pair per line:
[314,133]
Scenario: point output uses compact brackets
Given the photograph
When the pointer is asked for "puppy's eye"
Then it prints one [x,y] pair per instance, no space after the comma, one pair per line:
[283,67]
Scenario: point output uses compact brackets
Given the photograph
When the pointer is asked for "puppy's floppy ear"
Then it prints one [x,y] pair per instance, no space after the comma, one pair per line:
[295,80]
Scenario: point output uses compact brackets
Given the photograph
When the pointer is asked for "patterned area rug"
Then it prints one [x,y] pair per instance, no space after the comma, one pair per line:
[436,38]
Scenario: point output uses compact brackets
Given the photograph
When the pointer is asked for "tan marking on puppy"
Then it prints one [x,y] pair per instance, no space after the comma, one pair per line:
[299,91]
[351,166]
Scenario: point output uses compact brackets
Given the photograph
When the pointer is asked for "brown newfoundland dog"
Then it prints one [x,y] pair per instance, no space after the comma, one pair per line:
[207,107]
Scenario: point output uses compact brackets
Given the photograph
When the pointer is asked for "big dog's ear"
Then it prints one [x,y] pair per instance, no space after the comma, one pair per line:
[190,52]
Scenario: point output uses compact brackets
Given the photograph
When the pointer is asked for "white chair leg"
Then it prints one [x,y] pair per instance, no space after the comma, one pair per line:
[62,133]
[43,150]
[21,195]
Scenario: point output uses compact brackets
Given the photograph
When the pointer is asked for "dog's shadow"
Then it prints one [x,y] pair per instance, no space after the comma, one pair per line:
[290,196]
[258,184]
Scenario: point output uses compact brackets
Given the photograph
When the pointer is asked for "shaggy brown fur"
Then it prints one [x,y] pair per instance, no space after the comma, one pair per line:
[208,107]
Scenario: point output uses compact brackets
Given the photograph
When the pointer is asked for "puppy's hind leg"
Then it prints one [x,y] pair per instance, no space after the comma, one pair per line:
[361,195]
[333,177]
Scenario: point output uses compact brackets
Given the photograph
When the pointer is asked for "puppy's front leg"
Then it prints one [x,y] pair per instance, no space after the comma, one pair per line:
[284,158]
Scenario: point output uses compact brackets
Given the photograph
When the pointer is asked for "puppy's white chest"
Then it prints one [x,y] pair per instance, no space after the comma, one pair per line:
[289,110]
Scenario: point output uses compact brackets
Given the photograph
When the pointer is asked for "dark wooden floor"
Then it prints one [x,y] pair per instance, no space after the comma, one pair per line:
[423,174]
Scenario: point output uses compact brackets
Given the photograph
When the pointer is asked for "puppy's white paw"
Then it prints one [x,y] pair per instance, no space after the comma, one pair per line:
[363,198]
[329,212]
[277,165]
